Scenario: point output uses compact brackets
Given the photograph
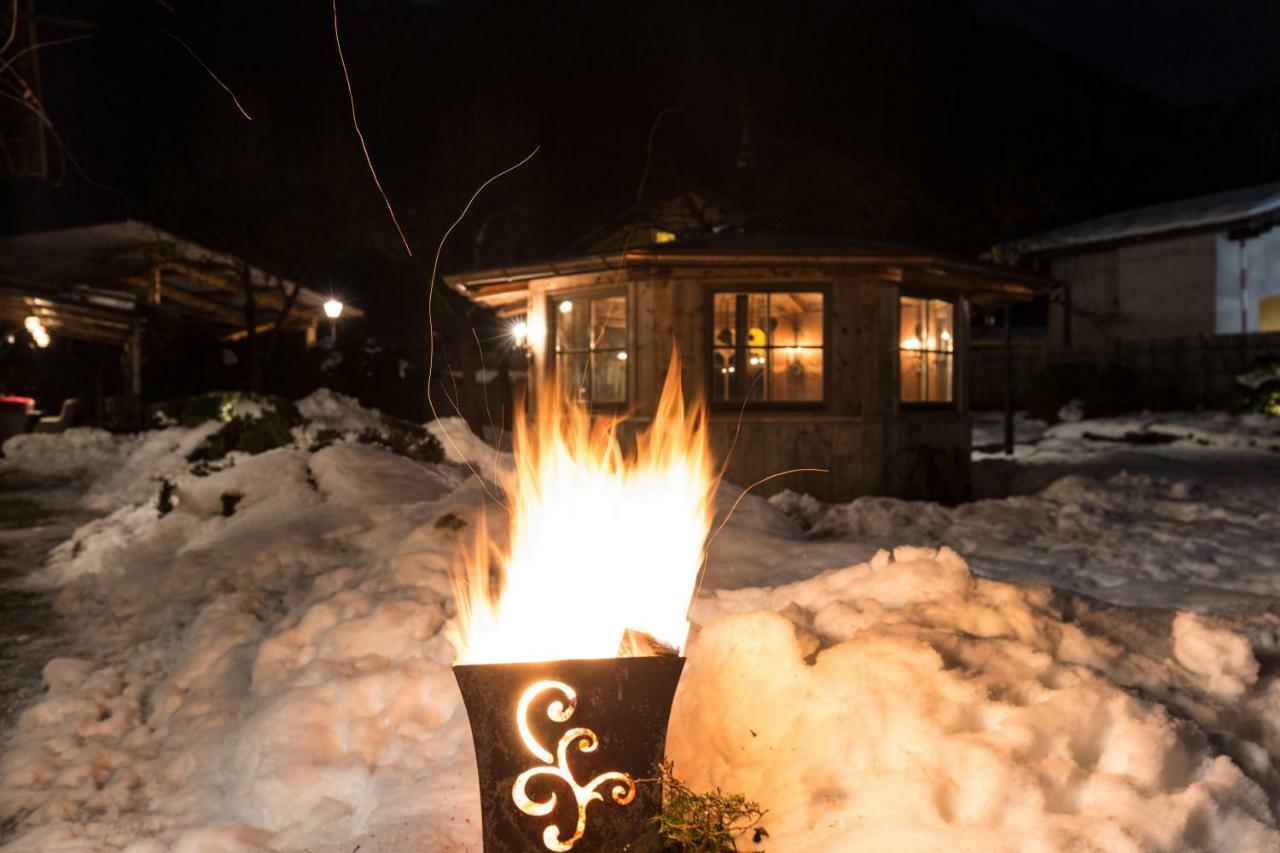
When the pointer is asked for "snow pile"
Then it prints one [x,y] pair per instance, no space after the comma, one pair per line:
[1133,539]
[1203,429]
[1221,657]
[463,446]
[1075,438]
[314,608]
[906,705]
[278,679]
[152,457]
[270,667]
[329,410]
[75,452]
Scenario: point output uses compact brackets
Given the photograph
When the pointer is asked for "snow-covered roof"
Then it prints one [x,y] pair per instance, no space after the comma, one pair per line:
[90,281]
[1257,207]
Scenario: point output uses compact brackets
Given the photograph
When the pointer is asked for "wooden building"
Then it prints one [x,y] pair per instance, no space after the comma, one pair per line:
[107,284]
[814,352]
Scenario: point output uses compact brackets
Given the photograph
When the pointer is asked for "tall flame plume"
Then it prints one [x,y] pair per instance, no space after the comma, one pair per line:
[601,541]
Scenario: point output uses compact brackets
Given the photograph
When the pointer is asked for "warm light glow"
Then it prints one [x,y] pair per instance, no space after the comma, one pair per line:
[520,332]
[911,343]
[600,542]
[622,791]
[622,355]
[38,332]
[566,306]
[333,309]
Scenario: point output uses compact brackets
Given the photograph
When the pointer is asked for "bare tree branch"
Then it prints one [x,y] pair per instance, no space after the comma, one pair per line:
[209,71]
[337,39]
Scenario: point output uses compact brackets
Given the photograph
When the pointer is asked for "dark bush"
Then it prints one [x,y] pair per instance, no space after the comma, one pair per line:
[1258,390]
[164,503]
[230,500]
[252,434]
[405,438]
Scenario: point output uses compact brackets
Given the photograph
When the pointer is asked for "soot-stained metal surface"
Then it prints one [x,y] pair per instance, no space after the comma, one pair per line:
[567,751]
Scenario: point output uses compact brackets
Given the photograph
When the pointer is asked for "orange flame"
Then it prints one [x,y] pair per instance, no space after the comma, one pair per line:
[601,541]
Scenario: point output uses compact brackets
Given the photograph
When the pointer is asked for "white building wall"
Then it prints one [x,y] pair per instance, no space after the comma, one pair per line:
[1262,266]
[1151,289]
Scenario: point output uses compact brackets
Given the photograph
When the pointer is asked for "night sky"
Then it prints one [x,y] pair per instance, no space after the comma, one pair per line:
[946,124]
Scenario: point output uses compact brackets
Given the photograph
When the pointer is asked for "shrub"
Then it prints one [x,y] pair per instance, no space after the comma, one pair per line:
[1258,390]
[250,434]
[230,500]
[705,823]
[164,503]
[405,438]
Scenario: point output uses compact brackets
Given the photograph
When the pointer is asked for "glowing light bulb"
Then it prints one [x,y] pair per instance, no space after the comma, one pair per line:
[622,356]
[520,332]
[333,309]
[38,332]
[566,307]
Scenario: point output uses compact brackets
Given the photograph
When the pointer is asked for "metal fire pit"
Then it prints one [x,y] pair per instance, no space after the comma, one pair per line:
[562,747]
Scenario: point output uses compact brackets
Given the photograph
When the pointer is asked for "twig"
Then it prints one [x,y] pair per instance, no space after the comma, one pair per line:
[63,150]
[209,71]
[431,293]
[702,570]
[355,122]
[648,155]
[13,27]
[8,63]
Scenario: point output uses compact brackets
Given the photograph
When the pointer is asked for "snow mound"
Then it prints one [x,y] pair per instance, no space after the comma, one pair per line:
[464,447]
[74,452]
[1131,539]
[270,668]
[1223,658]
[329,410]
[906,705]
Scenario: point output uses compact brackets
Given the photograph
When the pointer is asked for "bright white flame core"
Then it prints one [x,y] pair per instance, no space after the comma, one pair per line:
[600,542]
[332,309]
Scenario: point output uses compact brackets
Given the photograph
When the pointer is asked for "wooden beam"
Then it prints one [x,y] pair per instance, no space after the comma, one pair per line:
[244,333]
[224,313]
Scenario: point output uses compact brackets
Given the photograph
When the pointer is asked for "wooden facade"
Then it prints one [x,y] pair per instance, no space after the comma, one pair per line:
[860,432]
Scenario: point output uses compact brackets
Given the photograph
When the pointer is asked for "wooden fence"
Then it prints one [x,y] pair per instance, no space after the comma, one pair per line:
[1163,373]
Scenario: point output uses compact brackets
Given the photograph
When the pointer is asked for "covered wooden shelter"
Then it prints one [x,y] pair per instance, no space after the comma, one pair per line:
[106,282]
[813,352]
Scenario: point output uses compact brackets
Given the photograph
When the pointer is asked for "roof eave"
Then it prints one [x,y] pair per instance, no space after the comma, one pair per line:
[482,285]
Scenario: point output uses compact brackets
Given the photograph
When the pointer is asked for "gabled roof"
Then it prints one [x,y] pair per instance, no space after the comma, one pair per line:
[91,281]
[683,214]
[1250,209]
[505,289]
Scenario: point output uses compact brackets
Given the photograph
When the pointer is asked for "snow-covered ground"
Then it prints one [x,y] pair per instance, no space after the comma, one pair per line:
[279,679]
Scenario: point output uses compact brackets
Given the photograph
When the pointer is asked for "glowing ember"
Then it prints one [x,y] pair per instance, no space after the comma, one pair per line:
[600,541]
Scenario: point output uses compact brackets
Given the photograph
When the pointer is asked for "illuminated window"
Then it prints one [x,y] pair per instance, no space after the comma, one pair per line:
[767,347]
[926,350]
[591,346]
[660,236]
[1269,314]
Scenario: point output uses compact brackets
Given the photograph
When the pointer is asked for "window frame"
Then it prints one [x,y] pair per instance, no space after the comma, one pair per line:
[954,301]
[551,307]
[709,348]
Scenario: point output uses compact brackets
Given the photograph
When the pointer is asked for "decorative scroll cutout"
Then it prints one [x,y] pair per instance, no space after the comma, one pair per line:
[621,792]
